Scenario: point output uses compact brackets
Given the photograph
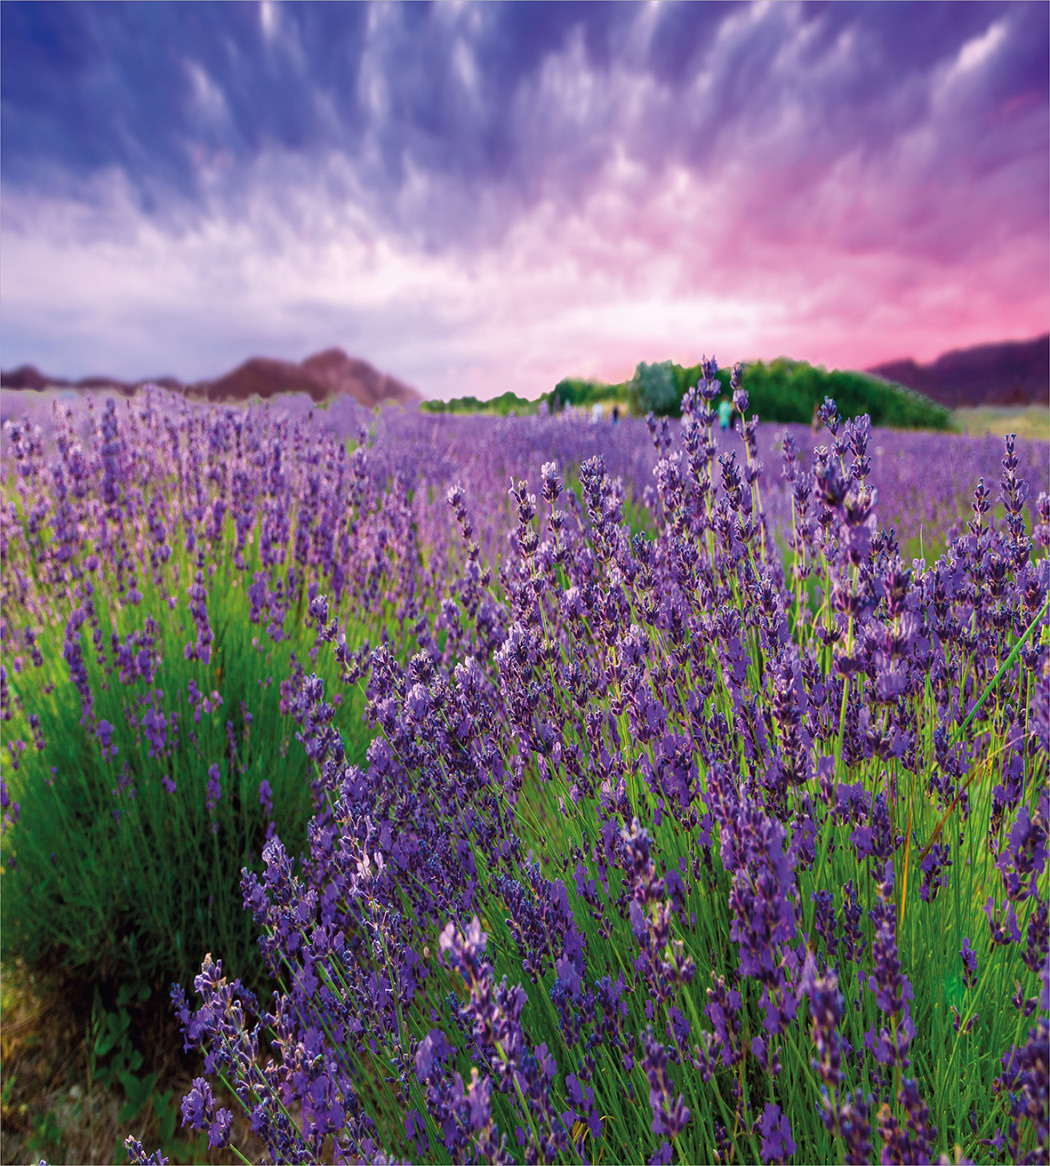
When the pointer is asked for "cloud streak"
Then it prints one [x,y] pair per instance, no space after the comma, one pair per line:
[482,197]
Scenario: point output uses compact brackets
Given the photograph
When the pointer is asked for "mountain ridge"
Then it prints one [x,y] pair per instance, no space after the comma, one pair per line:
[1010,372]
[324,376]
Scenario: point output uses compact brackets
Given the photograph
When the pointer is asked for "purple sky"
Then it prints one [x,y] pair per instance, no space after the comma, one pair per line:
[481,197]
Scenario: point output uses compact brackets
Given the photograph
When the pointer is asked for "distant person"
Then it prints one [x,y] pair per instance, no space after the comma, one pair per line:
[725,412]
[616,415]
[815,423]
[596,412]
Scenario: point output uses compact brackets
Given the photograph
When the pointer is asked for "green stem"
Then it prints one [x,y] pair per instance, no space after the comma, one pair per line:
[1002,668]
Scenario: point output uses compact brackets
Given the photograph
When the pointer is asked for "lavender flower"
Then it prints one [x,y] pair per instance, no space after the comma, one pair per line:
[892,991]
[777,1142]
[214,791]
[199,1112]
[670,1113]
[969,959]
[138,1157]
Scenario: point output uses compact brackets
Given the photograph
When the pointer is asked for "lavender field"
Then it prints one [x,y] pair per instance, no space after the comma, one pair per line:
[535,790]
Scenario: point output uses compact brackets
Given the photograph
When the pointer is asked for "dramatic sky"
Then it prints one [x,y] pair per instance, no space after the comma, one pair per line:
[478,197]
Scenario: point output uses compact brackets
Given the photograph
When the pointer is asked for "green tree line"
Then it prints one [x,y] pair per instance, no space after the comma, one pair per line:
[783,390]
[791,390]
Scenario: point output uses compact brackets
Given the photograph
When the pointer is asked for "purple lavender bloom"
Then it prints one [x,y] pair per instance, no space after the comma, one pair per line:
[912,1142]
[155,724]
[777,1142]
[670,1113]
[826,1008]
[853,942]
[723,1008]
[219,1129]
[11,810]
[198,1106]
[214,791]
[551,483]
[1003,926]
[829,415]
[463,951]
[922,1133]
[1040,706]
[432,1050]
[1023,859]
[137,1155]
[104,734]
[892,990]
[891,680]
[933,866]
[663,1156]
[601,627]
[1026,1080]
[969,959]
[762,894]
[856,1128]
[319,610]
[824,920]
[1035,953]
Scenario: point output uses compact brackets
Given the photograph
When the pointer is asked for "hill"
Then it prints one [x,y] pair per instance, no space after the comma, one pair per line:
[1014,372]
[325,376]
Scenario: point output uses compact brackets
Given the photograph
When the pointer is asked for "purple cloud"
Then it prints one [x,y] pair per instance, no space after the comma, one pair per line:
[461,191]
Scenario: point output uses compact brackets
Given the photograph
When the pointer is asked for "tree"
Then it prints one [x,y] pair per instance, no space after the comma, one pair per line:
[652,390]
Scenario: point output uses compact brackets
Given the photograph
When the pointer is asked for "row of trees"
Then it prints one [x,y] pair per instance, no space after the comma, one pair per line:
[502,406]
[783,390]
[579,392]
[791,390]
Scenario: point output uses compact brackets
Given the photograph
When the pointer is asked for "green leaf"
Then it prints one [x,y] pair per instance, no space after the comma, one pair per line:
[104,1042]
[167,1113]
[138,1090]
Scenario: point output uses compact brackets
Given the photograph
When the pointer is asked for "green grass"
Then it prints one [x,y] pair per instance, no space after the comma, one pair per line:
[1031,421]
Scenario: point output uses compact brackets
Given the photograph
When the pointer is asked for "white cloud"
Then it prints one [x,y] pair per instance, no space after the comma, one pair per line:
[464,67]
[982,48]
[956,78]
[281,35]
[269,20]
[208,97]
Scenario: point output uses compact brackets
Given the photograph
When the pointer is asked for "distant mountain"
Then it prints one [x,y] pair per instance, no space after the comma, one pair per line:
[325,376]
[340,373]
[28,376]
[1014,372]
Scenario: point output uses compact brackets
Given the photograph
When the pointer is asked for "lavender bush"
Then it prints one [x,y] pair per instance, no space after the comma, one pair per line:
[161,583]
[721,838]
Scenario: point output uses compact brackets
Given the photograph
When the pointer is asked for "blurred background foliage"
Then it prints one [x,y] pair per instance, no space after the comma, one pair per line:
[783,391]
